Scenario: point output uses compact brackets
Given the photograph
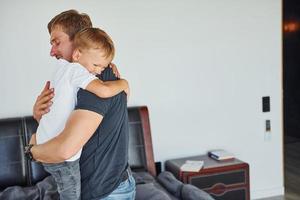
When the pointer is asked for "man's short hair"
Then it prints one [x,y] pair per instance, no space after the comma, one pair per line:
[95,38]
[71,22]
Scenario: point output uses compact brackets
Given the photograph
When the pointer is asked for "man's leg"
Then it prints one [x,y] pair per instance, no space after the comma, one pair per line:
[125,191]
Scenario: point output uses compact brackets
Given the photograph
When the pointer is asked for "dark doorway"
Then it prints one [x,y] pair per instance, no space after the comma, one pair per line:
[291,69]
[291,97]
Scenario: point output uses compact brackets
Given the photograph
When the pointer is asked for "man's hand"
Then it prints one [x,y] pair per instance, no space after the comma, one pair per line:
[33,139]
[43,102]
[115,70]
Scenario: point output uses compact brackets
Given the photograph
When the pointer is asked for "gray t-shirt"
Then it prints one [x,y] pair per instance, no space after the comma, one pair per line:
[105,156]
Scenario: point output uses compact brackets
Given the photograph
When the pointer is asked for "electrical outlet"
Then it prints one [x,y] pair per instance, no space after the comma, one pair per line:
[268,125]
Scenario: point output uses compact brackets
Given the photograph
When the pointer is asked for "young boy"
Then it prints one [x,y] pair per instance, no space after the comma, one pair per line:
[94,50]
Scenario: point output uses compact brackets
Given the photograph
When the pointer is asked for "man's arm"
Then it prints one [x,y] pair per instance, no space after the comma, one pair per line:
[108,88]
[79,128]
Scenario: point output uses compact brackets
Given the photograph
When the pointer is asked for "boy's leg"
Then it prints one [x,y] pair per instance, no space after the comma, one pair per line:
[125,191]
[67,178]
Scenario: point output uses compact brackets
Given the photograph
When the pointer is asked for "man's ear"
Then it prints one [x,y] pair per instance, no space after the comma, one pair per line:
[76,55]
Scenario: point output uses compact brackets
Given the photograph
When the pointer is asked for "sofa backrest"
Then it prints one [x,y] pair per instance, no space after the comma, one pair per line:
[12,161]
[35,170]
[15,169]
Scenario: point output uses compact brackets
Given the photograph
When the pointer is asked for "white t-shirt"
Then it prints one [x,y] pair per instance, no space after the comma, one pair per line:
[67,80]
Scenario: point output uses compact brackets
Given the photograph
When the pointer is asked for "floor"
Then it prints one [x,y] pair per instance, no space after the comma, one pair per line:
[291,170]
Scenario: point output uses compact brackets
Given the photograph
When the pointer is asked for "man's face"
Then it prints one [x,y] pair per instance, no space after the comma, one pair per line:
[91,59]
[62,47]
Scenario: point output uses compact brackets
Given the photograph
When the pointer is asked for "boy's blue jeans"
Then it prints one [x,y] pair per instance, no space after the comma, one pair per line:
[67,178]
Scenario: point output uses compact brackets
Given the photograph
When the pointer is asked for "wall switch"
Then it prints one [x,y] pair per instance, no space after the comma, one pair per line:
[266,104]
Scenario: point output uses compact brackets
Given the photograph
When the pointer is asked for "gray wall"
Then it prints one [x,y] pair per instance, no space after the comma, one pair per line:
[201,66]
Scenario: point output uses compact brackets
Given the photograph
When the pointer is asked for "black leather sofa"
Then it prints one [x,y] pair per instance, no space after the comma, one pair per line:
[16,170]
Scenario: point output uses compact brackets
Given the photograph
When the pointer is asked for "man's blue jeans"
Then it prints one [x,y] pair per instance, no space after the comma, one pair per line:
[125,191]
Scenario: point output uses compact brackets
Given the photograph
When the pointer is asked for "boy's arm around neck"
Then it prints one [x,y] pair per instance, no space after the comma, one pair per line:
[108,88]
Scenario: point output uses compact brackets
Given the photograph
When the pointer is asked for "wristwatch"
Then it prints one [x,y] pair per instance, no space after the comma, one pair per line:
[27,152]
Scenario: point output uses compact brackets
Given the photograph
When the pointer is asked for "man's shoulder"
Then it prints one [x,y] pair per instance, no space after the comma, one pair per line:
[89,97]
[89,101]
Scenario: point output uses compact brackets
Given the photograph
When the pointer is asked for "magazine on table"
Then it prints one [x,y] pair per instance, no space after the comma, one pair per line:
[192,166]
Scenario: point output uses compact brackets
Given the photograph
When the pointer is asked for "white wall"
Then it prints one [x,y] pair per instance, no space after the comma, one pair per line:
[201,66]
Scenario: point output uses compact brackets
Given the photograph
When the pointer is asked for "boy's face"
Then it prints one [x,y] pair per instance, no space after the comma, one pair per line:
[92,59]
[62,47]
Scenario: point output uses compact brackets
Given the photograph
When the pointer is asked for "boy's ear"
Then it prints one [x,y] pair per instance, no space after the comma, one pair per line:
[76,55]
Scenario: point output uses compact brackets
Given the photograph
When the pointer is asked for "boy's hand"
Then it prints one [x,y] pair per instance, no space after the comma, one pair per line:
[43,102]
[97,70]
[33,139]
[115,70]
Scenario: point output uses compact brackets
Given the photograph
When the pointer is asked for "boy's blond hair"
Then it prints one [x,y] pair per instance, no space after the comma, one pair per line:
[95,38]
[71,22]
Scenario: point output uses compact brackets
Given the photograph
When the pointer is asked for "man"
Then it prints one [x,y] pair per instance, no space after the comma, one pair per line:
[100,126]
